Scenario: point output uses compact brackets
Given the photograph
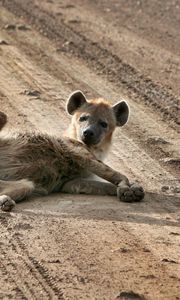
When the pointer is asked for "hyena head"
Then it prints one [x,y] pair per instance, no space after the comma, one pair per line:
[94,121]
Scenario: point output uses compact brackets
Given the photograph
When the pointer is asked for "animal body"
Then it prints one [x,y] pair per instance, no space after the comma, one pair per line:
[33,163]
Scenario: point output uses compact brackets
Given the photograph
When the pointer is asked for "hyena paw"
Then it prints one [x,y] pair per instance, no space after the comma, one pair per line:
[6,203]
[132,193]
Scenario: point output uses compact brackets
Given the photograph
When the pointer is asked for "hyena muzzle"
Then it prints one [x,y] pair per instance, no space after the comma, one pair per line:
[33,163]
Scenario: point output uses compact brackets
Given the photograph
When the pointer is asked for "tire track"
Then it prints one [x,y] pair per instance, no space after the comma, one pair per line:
[40,273]
[50,281]
[28,277]
[99,59]
[6,272]
[11,269]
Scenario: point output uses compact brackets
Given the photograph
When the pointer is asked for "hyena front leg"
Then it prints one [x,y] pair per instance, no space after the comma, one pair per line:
[125,191]
[14,191]
[89,187]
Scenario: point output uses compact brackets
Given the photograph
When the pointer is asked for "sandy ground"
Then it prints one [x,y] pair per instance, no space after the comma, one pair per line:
[88,247]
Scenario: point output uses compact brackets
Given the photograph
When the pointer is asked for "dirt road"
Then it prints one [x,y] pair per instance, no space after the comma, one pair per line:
[79,247]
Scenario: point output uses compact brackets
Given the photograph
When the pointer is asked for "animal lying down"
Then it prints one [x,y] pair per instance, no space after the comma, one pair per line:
[41,164]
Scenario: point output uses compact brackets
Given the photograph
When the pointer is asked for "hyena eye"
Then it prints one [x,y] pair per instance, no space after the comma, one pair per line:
[104,124]
[83,118]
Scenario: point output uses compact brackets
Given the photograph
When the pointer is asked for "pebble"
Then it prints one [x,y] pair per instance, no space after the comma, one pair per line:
[176,189]
[127,295]
[32,93]
[157,140]
[10,26]
[18,26]
[164,188]
[3,42]
[23,27]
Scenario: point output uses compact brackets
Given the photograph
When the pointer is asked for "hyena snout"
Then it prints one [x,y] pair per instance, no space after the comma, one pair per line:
[91,135]
[88,133]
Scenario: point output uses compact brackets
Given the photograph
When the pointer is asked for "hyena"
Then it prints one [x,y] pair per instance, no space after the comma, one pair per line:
[35,163]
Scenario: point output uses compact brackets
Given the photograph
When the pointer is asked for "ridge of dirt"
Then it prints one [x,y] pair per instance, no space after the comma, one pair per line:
[157,21]
[125,43]
[98,58]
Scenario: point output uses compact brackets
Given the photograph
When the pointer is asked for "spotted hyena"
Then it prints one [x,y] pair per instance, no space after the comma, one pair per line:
[41,164]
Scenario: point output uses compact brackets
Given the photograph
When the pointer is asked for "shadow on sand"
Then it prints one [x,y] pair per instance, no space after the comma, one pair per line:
[155,209]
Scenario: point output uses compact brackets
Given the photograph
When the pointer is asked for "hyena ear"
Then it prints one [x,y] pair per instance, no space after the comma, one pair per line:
[121,111]
[75,101]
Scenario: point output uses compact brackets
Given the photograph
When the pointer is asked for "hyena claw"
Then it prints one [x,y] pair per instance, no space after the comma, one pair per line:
[6,203]
[132,193]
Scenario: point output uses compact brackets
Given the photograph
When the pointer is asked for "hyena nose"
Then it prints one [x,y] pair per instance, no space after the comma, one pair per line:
[88,133]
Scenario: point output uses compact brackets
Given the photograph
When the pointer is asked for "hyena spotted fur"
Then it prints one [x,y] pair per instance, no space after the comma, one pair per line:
[33,163]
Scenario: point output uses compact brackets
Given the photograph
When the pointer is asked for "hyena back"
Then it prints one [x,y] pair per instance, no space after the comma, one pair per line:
[41,164]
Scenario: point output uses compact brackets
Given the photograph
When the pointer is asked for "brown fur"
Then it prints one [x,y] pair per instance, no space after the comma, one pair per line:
[39,163]
[97,107]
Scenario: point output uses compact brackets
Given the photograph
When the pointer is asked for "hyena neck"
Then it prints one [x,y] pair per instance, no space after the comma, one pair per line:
[71,132]
[99,151]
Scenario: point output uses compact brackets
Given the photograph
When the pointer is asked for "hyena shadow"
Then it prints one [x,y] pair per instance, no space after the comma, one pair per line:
[155,209]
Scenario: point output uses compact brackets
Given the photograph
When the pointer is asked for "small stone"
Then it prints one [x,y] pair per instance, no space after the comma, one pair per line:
[107,10]
[59,13]
[34,93]
[171,160]
[3,42]
[164,188]
[68,6]
[157,140]
[129,295]
[171,261]
[176,189]
[146,250]
[149,276]
[81,279]
[124,250]
[75,21]
[23,27]
[174,233]
[10,26]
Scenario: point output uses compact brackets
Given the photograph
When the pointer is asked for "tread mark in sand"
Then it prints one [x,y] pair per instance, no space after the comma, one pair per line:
[40,273]
[8,269]
[41,282]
